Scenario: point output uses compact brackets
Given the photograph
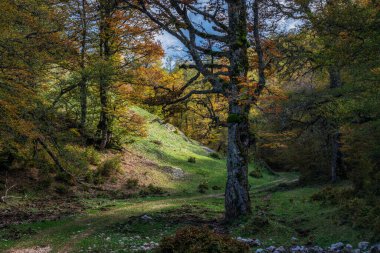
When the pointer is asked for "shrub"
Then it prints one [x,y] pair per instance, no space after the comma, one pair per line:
[216,188]
[195,240]
[61,189]
[110,167]
[215,155]
[131,183]
[151,190]
[191,159]
[203,187]
[256,173]
[93,156]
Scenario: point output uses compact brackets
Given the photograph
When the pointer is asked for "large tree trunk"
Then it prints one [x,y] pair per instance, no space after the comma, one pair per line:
[83,83]
[105,8]
[237,200]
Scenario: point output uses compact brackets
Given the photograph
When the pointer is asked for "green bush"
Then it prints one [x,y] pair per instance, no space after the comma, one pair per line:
[93,156]
[216,188]
[215,155]
[110,167]
[256,173]
[203,187]
[131,183]
[191,159]
[195,240]
[62,189]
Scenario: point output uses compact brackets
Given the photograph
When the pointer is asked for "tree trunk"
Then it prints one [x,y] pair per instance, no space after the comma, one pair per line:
[83,83]
[336,154]
[237,200]
[105,8]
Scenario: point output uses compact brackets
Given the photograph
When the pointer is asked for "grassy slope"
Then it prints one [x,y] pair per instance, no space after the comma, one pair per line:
[109,224]
[175,151]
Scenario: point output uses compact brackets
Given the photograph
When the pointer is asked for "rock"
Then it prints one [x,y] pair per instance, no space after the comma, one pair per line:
[363,245]
[296,249]
[271,248]
[375,248]
[281,249]
[356,251]
[348,248]
[175,172]
[146,218]
[337,246]
[260,251]
[249,241]
[316,249]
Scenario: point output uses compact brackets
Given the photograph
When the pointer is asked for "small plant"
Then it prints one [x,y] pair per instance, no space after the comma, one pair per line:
[256,173]
[62,189]
[155,190]
[157,142]
[216,188]
[131,183]
[203,187]
[93,156]
[191,159]
[110,167]
[215,155]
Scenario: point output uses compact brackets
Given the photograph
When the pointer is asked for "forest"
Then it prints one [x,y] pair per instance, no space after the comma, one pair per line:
[190,126]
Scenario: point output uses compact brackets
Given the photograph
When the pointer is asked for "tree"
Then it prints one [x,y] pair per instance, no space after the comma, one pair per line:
[226,43]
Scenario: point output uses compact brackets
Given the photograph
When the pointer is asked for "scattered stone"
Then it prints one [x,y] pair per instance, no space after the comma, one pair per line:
[32,250]
[281,249]
[271,248]
[147,246]
[146,218]
[337,246]
[356,251]
[348,248]
[175,172]
[375,248]
[249,241]
[260,251]
[363,245]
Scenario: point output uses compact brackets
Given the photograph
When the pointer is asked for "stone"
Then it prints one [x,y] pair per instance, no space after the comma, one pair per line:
[146,218]
[337,246]
[271,248]
[348,248]
[363,245]
[260,251]
[249,241]
[375,248]
[281,249]
[175,172]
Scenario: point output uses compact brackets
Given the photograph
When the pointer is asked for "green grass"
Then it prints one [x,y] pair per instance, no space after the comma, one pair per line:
[113,225]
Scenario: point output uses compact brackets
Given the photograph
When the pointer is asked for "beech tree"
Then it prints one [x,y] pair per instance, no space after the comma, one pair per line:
[220,34]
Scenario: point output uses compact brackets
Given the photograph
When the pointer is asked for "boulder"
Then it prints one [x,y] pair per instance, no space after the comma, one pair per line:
[363,245]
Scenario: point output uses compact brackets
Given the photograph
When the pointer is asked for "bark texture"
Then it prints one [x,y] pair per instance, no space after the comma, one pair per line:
[237,200]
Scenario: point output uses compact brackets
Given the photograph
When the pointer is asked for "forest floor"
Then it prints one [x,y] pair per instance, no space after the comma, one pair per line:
[84,223]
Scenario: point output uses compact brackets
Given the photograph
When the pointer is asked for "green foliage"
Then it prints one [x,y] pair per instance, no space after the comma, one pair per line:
[191,159]
[92,155]
[62,189]
[215,155]
[361,212]
[256,173]
[151,190]
[195,239]
[131,183]
[203,187]
[110,167]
